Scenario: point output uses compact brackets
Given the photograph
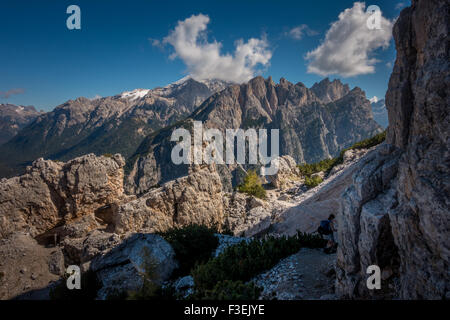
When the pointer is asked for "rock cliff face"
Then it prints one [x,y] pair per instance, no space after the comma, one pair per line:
[52,194]
[396,214]
[310,129]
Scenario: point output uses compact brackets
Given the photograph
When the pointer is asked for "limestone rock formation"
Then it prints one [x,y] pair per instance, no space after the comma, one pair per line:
[52,194]
[396,215]
[123,268]
[193,199]
[287,172]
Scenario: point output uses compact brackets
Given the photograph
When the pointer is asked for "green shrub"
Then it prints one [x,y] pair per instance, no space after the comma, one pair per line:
[193,244]
[243,261]
[108,155]
[326,165]
[230,290]
[312,182]
[252,185]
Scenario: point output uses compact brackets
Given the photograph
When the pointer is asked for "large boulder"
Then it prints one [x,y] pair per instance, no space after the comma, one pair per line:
[124,267]
[396,214]
[54,193]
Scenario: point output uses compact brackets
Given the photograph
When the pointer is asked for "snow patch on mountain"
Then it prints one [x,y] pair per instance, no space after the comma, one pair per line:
[135,94]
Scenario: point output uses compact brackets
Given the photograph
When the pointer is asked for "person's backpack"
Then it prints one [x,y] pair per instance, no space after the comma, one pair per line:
[324,228]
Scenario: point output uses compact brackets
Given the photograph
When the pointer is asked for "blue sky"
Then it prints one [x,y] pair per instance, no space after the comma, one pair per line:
[114,51]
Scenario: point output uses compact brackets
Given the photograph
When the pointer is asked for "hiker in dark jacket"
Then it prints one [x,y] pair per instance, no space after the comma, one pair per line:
[326,230]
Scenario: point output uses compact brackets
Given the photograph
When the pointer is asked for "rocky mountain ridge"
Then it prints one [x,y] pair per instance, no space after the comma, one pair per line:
[13,118]
[310,130]
[115,124]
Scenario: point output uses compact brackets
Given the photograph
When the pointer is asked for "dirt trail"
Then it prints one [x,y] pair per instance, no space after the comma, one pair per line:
[306,275]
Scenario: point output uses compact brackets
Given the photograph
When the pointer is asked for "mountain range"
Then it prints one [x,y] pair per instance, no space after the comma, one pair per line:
[315,123]
[115,124]
[13,118]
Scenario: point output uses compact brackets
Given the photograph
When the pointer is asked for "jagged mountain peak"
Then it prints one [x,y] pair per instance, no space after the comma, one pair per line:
[328,91]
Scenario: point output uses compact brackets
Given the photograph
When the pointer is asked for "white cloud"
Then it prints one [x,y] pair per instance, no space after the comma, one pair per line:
[374,99]
[204,59]
[298,32]
[349,44]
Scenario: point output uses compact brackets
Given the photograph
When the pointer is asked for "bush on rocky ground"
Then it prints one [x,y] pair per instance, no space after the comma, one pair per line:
[193,244]
[247,259]
[312,182]
[326,165]
[252,185]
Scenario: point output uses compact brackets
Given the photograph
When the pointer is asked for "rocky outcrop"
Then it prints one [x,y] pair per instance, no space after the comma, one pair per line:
[246,215]
[141,257]
[286,174]
[54,194]
[193,199]
[396,214]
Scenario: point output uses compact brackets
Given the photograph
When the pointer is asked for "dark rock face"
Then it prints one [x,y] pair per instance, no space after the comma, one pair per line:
[122,269]
[111,125]
[310,130]
[13,118]
[396,214]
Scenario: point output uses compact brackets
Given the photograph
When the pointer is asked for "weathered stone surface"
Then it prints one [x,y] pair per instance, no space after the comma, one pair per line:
[123,267]
[246,215]
[193,199]
[54,193]
[81,250]
[286,174]
[396,214]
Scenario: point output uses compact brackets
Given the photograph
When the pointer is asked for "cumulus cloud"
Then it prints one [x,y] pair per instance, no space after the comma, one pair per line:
[298,32]
[204,59]
[349,45]
[7,94]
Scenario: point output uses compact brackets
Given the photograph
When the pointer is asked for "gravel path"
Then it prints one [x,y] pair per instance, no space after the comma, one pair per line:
[306,275]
